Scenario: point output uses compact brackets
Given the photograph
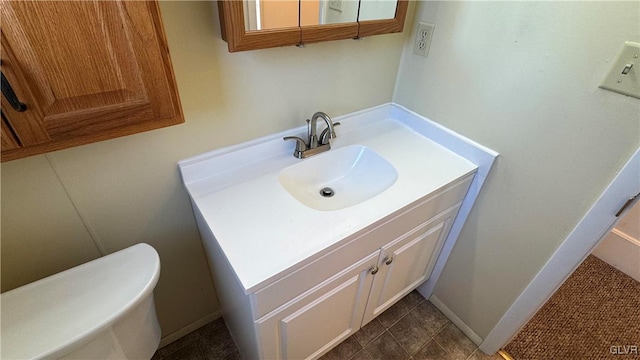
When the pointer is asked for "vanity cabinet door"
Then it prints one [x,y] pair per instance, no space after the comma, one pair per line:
[407,262]
[314,322]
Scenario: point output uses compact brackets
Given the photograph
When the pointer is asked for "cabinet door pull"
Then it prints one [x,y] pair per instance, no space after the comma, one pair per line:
[389,260]
[626,204]
[11,96]
[374,270]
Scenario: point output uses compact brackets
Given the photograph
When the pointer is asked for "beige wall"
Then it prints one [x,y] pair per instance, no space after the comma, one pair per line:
[64,208]
[522,78]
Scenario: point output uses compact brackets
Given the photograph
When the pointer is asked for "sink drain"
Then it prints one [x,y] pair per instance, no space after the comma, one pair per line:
[327,192]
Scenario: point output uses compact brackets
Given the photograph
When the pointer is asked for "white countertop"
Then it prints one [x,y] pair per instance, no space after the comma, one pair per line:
[263,230]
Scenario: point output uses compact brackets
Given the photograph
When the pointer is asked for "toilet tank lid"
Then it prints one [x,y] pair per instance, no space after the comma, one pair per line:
[54,315]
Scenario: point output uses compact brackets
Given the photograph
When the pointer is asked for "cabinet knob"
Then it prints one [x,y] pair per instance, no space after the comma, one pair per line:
[389,260]
[374,270]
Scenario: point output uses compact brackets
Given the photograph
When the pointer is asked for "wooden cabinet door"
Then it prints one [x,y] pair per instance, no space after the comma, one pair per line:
[406,263]
[9,141]
[316,321]
[87,71]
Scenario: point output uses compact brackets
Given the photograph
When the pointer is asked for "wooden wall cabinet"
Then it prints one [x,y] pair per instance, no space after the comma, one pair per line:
[86,70]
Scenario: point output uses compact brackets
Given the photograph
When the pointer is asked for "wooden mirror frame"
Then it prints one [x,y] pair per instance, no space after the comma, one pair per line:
[238,39]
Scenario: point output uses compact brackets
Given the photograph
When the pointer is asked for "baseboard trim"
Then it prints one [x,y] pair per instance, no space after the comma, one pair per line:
[189,328]
[455,320]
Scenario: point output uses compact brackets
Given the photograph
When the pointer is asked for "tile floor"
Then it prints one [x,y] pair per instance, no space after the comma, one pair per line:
[412,329]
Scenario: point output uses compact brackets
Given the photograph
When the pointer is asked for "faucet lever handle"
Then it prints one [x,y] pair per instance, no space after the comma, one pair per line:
[301,145]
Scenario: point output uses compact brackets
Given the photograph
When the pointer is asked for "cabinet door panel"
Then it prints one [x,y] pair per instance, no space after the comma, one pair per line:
[27,125]
[316,321]
[88,70]
[8,139]
[410,261]
[88,59]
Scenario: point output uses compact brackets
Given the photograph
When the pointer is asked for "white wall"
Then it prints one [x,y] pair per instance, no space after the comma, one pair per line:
[59,209]
[521,78]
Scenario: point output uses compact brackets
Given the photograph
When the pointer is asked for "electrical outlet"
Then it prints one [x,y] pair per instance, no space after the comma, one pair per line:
[423,39]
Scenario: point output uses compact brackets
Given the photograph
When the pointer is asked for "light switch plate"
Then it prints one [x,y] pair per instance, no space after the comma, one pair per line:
[335,5]
[615,80]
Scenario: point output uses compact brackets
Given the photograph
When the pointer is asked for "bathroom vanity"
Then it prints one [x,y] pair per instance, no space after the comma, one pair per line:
[297,272]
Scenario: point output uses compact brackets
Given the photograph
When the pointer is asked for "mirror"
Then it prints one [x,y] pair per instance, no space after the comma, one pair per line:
[377,9]
[259,24]
[274,14]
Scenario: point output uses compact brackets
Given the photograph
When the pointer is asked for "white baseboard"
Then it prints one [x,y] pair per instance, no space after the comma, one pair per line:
[189,328]
[455,320]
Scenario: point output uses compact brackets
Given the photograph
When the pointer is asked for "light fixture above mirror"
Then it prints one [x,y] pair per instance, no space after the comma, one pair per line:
[259,24]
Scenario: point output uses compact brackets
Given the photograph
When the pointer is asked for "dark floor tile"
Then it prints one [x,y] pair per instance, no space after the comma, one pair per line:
[390,316]
[410,334]
[349,347]
[234,356]
[176,345]
[455,342]
[156,356]
[202,331]
[414,298]
[187,352]
[385,347]
[361,355]
[430,317]
[432,351]
[369,332]
[400,309]
[217,344]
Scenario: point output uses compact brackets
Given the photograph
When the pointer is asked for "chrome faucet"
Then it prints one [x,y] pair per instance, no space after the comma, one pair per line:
[314,145]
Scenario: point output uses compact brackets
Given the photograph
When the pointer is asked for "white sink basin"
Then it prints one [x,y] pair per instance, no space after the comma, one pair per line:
[338,178]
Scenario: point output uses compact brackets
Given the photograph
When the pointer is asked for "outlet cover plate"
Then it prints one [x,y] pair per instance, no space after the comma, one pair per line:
[422,41]
[615,80]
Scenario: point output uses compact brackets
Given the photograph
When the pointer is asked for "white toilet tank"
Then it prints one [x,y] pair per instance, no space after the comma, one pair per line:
[103,309]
